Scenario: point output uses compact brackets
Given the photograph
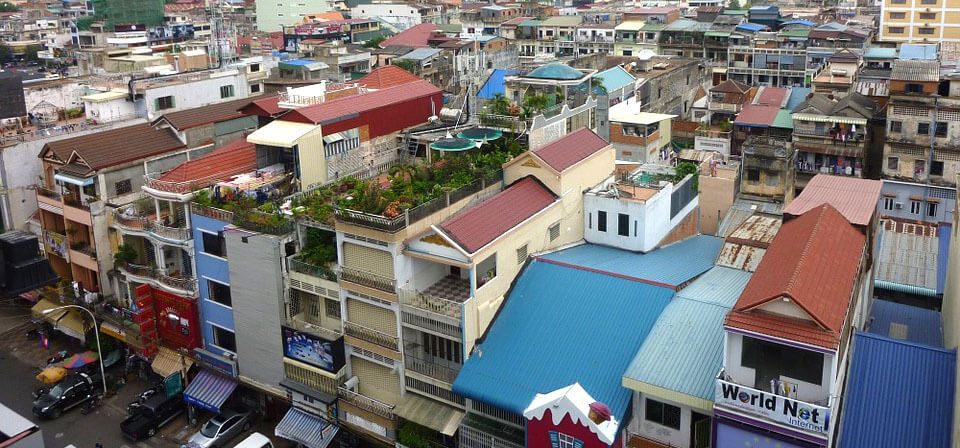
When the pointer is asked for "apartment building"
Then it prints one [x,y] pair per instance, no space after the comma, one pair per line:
[921,124]
[836,137]
[918,21]
[273,15]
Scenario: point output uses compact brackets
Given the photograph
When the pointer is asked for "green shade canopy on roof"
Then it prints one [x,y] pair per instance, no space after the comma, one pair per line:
[556,70]
[480,134]
[453,144]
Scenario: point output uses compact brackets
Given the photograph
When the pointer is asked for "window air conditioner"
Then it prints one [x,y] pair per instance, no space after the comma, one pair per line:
[898,205]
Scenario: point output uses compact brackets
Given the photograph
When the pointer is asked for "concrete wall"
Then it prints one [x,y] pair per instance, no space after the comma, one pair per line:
[210,267]
[902,192]
[951,315]
[195,94]
[63,95]
[654,431]
[716,193]
[399,15]
[257,291]
[649,220]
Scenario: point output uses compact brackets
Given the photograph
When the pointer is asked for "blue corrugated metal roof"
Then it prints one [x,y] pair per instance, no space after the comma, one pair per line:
[561,325]
[923,326]
[615,78]
[751,27]
[944,233]
[684,351]
[797,96]
[672,265]
[720,286]
[495,84]
[799,22]
[918,51]
[899,394]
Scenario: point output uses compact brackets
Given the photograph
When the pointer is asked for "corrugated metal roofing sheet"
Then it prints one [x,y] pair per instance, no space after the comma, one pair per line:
[682,354]
[615,78]
[558,326]
[906,257]
[571,149]
[905,322]
[672,265]
[719,286]
[495,84]
[757,116]
[855,199]
[904,395]
[740,256]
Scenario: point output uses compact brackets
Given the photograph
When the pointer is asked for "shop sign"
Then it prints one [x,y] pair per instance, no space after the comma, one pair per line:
[790,412]
[313,350]
[720,145]
[173,384]
[215,362]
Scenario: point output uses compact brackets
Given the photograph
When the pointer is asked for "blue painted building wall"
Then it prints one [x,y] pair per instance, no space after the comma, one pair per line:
[213,268]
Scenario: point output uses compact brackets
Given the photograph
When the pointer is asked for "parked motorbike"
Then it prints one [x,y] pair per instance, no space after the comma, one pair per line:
[92,404]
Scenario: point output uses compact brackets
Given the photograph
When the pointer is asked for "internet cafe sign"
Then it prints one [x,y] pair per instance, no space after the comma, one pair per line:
[788,411]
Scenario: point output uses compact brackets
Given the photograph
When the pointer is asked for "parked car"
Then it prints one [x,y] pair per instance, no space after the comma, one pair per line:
[155,413]
[70,392]
[255,440]
[221,428]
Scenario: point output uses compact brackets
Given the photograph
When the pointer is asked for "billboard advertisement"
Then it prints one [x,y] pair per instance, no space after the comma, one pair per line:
[313,350]
[171,32]
[785,410]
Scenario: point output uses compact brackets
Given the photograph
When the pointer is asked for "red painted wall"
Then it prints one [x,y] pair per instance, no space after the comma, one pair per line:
[392,118]
[538,433]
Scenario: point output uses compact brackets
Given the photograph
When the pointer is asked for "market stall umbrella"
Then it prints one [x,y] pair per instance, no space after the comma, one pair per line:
[80,359]
[481,134]
[51,375]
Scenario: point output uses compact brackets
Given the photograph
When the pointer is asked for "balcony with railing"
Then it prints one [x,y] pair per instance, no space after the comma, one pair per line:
[366,403]
[83,254]
[444,297]
[433,367]
[137,218]
[368,279]
[302,267]
[52,199]
[372,336]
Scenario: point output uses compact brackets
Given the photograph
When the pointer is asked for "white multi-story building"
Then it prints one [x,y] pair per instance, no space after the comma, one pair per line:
[272,15]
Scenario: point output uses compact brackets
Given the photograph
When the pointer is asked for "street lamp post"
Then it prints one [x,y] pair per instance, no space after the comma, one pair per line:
[96,332]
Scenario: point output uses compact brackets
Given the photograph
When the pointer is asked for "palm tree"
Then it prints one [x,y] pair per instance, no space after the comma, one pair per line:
[534,103]
[403,171]
[500,104]
[596,85]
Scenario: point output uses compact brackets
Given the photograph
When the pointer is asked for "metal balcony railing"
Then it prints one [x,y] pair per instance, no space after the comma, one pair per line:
[445,373]
[368,279]
[171,233]
[311,270]
[366,403]
[181,283]
[430,302]
[140,270]
[372,336]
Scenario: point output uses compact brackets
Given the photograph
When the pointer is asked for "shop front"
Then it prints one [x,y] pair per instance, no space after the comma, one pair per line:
[744,416]
[70,322]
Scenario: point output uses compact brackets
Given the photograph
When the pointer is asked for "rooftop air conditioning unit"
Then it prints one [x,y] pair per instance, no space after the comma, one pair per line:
[838,72]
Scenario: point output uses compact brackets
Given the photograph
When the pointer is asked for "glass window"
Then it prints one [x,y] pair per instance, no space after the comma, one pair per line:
[663,414]
[224,339]
[926,30]
[888,203]
[165,103]
[896,126]
[623,224]
[220,293]
[602,221]
[214,244]
[896,29]
[941,129]
[923,128]
[332,308]
[915,207]
[931,209]
[893,163]
[226,91]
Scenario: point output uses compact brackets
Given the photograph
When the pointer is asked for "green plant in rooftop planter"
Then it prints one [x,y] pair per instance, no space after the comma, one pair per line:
[685,168]
[125,254]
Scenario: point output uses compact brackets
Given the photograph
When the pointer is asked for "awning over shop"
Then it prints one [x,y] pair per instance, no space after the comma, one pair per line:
[167,362]
[43,305]
[79,181]
[306,429]
[113,331]
[432,414]
[70,324]
[208,390]
[829,119]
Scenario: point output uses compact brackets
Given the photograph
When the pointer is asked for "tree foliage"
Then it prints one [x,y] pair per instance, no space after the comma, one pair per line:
[685,168]
[405,64]
[374,42]
[8,7]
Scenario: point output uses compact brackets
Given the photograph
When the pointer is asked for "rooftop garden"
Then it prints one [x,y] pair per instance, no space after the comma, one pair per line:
[406,186]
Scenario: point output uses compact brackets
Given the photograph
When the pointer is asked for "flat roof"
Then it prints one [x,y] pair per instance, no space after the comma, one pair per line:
[642,118]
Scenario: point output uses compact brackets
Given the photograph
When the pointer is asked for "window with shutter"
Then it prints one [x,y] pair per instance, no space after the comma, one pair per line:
[376,381]
[368,259]
[372,317]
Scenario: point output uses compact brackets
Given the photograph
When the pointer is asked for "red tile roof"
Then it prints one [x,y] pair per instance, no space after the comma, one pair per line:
[772,96]
[730,86]
[789,328]
[814,261]
[571,149]
[265,107]
[855,199]
[486,222]
[332,110]
[416,36]
[234,158]
[387,76]
[756,115]
[116,146]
